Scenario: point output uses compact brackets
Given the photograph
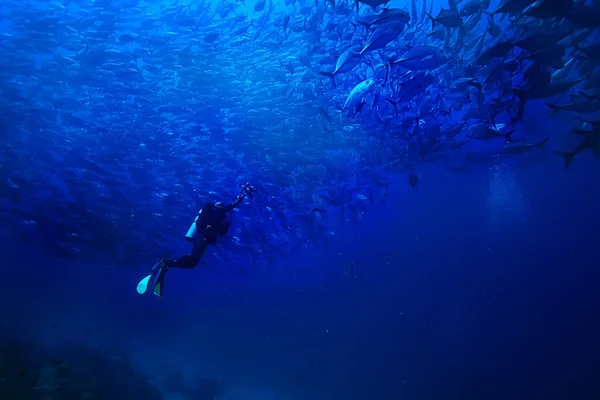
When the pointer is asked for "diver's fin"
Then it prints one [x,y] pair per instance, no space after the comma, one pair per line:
[157,289]
[143,285]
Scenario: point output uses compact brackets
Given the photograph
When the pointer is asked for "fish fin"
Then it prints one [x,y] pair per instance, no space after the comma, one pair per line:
[555,109]
[403,60]
[476,84]
[580,132]
[542,144]
[358,108]
[587,95]
[514,121]
[394,104]
[567,157]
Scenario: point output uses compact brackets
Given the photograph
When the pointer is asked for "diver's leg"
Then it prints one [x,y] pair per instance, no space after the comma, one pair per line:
[189,261]
[156,276]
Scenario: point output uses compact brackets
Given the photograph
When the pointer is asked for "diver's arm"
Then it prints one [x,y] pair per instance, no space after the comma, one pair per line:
[247,190]
[238,200]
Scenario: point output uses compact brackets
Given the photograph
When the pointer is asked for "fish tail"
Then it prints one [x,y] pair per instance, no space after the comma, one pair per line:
[509,134]
[387,59]
[576,47]
[432,21]
[329,75]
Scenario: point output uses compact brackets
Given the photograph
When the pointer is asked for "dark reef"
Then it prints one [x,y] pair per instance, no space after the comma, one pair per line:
[71,372]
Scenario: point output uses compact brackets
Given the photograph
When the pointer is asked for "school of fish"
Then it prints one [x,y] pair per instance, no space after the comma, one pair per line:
[121,117]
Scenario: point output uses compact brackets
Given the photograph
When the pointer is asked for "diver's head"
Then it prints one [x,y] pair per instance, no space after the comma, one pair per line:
[214,210]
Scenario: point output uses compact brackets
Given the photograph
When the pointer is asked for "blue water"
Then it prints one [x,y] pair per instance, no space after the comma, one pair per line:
[481,283]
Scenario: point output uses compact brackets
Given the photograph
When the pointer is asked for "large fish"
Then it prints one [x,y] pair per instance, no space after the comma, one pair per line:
[237,85]
[511,6]
[345,63]
[472,7]
[356,98]
[543,89]
[424,57]
[588,139]
[371,3]
[381,36]
[547,9]
[448,18]
[387,16]
[412,87]
[519,147]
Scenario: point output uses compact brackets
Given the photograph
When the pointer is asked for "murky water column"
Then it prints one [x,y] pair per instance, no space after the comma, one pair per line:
[505,202]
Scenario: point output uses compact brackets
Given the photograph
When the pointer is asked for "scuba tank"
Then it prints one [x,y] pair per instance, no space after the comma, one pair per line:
[191,233]
[247,190]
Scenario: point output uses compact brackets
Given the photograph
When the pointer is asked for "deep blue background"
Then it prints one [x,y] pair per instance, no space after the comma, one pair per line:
[444,300]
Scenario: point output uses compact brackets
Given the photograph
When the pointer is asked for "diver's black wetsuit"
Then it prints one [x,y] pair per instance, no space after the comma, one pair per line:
[212,223]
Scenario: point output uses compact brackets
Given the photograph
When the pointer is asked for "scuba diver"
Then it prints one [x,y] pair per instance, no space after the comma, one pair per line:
[213,220]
